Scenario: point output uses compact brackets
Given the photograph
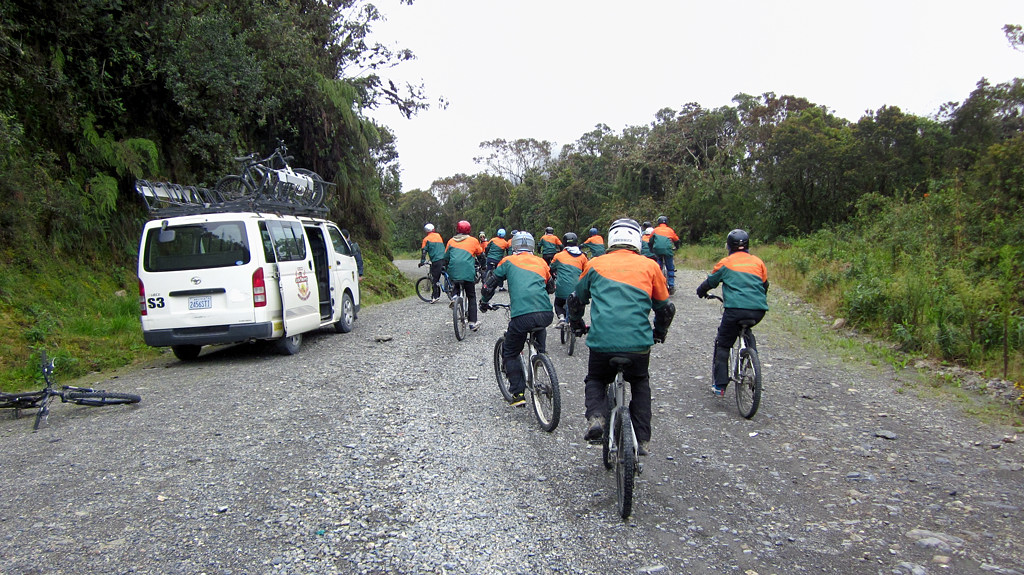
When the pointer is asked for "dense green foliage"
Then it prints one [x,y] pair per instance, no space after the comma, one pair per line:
[98,93]
[905,225]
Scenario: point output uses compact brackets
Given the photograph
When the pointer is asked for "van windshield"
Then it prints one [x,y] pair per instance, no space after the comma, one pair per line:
[196,246]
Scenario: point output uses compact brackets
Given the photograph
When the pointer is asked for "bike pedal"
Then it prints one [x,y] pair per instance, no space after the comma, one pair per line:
[639,468]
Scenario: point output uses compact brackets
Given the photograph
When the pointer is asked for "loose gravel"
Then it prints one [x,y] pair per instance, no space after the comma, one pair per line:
[390,450]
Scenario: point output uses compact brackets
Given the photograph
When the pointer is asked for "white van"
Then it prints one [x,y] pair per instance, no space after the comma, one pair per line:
[232,276]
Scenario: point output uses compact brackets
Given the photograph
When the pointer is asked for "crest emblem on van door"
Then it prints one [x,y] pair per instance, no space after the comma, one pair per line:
[196,280]
[302,281]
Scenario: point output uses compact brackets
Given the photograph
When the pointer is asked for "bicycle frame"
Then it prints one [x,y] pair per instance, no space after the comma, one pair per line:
[617,391]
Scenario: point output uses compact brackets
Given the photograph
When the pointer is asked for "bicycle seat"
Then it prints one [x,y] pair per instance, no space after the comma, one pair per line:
[620,362]
[537,330]
[747,323]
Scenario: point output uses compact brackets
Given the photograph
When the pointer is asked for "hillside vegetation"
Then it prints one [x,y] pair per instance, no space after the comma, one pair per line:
[905,225]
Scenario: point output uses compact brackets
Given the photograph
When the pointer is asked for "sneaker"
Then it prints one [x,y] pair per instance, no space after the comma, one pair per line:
[473,326]
[517,400]
[596,429]
[671,290]
[561,320]
[717,391]
[433,300]
[451,304]
[642,448]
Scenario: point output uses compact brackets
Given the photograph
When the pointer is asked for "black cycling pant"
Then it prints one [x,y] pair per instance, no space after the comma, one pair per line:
[515,340]
[560,307]
[728,331]
[435,274]
[600,374]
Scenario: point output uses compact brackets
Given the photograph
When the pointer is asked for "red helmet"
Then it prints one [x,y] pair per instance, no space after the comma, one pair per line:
[462,227]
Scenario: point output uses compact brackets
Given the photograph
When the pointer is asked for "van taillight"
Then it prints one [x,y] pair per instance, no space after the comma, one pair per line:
[259,289]
[142,298]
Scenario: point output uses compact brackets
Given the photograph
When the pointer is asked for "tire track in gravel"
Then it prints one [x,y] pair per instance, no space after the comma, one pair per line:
[390,450]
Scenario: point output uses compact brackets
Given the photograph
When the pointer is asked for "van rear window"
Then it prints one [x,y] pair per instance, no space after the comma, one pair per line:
[196,246]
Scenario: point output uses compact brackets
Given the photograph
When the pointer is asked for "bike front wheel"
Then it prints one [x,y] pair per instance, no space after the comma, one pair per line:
[100,398]
[459,317]
[425,288]
[546,397]
[572,342]
[625,467]
[748,383]
[315,196]
[499,370]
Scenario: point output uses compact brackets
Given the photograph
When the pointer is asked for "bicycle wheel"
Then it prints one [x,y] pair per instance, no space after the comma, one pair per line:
[748,384]
[314,197]
[459,317]
[21,400]
[499,370]
[424,288]
[572,342]
[233,188]
[98,398]
[561,333]
[625,466]
[546,397]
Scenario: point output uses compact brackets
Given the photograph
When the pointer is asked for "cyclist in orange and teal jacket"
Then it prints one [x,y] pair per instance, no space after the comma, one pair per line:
[744,280]
[529,283]
[461,256]
[623,287]
[664,242]
[433,248]
[594,243]
[497,248]
[567,267]
[549,244]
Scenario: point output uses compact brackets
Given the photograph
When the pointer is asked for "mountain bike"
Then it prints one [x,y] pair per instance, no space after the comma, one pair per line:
[744,369]
[620,447]
[67,394]
[567,336]
[541,379]
[262,178]
[425,286]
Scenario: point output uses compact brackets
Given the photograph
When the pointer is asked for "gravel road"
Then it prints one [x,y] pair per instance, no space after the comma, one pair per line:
[390,450]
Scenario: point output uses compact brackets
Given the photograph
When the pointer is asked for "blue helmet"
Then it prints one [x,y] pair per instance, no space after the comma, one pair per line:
[501,232]
[593,231]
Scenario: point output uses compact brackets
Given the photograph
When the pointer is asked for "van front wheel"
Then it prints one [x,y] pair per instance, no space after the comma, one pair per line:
[348,314]
[289,345]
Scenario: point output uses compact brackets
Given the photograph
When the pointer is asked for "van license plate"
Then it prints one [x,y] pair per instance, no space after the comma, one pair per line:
[202,302]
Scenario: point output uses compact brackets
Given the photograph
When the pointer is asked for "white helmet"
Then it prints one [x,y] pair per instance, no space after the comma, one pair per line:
[648,231]
[428,228]
[624,233]
[522,242]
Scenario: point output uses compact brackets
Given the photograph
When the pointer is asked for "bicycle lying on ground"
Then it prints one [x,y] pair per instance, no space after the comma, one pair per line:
[262,178]
[425,287]
[541,380]
[744,369]
[67,394]
[621,449]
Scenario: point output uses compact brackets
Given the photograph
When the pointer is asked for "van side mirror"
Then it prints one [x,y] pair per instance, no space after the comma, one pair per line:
[166,236]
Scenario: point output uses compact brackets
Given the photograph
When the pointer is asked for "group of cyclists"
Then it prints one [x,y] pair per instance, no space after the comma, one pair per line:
[622,280]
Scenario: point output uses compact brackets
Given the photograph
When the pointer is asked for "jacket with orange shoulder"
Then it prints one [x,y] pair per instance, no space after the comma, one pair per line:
[529,283]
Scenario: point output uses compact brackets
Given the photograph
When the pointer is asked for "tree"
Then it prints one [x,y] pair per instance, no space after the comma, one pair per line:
[512,160]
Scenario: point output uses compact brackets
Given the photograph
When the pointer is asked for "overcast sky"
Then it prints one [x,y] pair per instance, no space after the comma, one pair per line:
[553,69]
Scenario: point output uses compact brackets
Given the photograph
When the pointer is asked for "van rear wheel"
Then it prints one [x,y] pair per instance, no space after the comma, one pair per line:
[289,345]
[186,352]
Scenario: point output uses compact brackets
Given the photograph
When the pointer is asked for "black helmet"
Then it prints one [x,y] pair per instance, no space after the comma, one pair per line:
[737,240]
[646,225]
[549,230]
[570,239]
[662,220]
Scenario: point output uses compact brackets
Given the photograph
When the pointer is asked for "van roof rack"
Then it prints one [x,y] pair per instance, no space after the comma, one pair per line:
[164,199]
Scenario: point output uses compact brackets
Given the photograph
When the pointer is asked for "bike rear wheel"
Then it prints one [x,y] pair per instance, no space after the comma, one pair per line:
[546,397]
[21,400]
[499,370]
[572,342]
[748,383]
[625,466]
[459,317]
[233,188]
[314,197]
[425,288]
[94,398]
[562,333]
